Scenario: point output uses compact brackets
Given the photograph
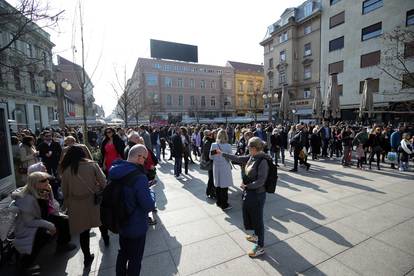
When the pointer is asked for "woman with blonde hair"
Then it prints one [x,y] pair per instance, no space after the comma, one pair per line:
[39,219]
[221,169]
[81,179]
[28,156]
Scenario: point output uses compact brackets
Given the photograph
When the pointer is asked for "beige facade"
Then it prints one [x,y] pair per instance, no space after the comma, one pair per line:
[292,59]
[353,43]
[171,88]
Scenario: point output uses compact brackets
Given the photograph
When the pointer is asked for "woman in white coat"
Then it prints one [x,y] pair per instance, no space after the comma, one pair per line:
[221,169]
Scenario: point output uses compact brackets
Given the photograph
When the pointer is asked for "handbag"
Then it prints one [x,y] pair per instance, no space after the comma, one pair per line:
[206,165]
[392,157]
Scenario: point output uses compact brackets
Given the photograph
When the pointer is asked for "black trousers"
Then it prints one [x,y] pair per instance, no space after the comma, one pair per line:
[186,157]
[84,243]
[131,251]
[222,197]
[371,157]
[211,190]
[62,227]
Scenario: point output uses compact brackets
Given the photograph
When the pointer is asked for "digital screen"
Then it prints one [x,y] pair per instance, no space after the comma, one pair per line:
[174,51]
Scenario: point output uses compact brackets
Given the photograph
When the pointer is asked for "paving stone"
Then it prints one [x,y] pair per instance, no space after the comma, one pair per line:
[361,201]
[205,254]
[333,238]
[376,258]
[290,257]
[187,233]
[239,266]
[161,264]
[330,267]
[406,201]
[400,236]
[181,216]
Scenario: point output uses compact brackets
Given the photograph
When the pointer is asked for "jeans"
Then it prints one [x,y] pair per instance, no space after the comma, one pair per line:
[131,251]
[178,162]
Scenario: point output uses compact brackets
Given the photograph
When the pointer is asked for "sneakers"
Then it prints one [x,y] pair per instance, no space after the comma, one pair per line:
[252,238]
[256,251]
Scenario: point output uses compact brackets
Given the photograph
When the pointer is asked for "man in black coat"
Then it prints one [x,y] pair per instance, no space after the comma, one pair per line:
[49,152]
[298,142]
[177,144]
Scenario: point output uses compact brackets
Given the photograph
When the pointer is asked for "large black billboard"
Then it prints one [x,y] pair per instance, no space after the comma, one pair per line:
[174,51]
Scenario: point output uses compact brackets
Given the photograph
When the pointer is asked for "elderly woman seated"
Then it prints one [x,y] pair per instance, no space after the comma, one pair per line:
[38,219]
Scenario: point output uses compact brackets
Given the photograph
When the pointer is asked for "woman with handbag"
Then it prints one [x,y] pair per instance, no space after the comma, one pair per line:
[28,156]
[82,180]
[221,169]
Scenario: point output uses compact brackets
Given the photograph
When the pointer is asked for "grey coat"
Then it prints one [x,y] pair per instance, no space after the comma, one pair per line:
[28,221]
[221,166]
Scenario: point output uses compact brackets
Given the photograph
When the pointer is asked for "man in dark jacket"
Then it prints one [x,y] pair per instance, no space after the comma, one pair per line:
[178,152]
[49,152]
[205,155]
[298,142]
[138,202]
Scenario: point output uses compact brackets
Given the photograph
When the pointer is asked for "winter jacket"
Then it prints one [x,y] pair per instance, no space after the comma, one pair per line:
[395,139]
[137,198]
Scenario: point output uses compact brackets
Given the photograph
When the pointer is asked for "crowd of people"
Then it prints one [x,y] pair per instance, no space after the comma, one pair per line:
[60,179]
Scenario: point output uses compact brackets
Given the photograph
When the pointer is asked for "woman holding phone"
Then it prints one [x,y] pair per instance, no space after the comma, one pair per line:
[221,169]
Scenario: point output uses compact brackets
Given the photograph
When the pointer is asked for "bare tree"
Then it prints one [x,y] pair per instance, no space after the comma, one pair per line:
[28,17]
[123,96]
[395,63]
[137,106]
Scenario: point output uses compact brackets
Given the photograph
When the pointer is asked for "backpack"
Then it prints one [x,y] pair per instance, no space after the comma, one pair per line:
[113,211]
[271,180]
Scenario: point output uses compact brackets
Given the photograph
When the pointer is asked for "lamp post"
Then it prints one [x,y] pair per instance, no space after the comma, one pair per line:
[269,97]
[64,85]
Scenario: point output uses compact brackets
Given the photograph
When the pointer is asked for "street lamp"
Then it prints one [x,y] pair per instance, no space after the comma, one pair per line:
[269,97]
[64,85]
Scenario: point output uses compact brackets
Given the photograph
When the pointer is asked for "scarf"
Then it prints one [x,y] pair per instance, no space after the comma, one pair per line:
[404,145]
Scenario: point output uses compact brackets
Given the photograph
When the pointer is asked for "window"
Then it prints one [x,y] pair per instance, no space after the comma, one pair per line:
[29,49]
[50,114]
[213,101]
[371,31]
[169,100]
[2,82]
[333,2]
[202,84]
[180,83]
[408,81]
[192,100]
[17,81]
[307,50]
[336,44]
[32,82]
[37,117]
[151,79]
[250,87]
[241,86]
[307,72]
[252,102]
[340,88]
[307,29]
[410,18]
[44,58]
[373,83]
[307,93]
[203,100]
[282,78]
[283,37]
[282,56]
[168,82]
[213,85]
[371,5]
[270,63]
[225,84]
[337,20]
[240,101]
[409,49]
[336,67]
[192,84]
[20,114]
[370,59]
[180,100]
[307,10]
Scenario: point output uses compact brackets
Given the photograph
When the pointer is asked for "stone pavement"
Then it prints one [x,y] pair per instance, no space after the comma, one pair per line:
[328,221]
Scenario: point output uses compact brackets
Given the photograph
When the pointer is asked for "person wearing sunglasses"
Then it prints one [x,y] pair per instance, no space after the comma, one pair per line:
[112,148]
[38,220]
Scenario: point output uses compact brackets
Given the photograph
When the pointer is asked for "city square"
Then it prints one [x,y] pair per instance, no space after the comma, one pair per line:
[147,137]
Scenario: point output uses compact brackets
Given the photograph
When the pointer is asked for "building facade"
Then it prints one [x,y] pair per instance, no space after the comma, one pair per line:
[23,69]
[354,46]
[292,59]
[248,88]
[172,89]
